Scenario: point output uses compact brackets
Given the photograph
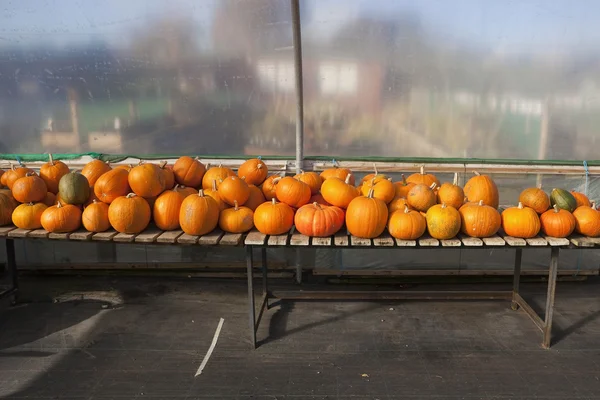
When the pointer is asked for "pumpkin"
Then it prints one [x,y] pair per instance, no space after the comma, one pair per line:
[383,188]
[421,197]
[521,222]
[535,198]
[215,175]
[338,192]
[407,224]
[587,220]
[7,206]
[29,216]
[199,214]
[443,221]
[169,176]
[189,171]
[292,192]
[63,202]
[398,204]
[557,222]
[273,218]
[94,170]
[319,221]
[318,198]
[234,189]
[254,171]
[580,198]
[95,217]
[482,187]
[256,198]
[236,219]
[186,191]
[403,187]
[7,192]
[340,173]
[74,188]
[2,178]
[451,193]
[478,220]
[269,186]
[366,217]
[214,193]
[111,185]
[312,179]
[146,180]
[49,199]
[374,175]
[166,209]
[15,173]
[563,199]
[61,218]
[51,172]
[421,178]
[29,189]
[126,167]
[129,214]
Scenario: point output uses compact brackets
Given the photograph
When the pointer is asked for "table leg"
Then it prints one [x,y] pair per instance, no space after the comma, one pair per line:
[251,310]
[550,297]
[516,278]
[265,275]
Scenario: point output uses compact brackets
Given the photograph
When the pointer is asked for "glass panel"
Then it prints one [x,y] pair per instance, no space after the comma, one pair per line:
[462,78]
[147,76]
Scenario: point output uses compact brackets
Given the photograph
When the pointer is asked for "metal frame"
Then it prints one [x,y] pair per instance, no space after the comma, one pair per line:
[518,301]
[11,270]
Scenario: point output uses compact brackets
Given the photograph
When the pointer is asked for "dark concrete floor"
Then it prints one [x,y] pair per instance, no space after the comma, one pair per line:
[152,344]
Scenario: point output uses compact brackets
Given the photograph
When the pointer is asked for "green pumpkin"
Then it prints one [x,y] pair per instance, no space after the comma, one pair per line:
[563,199]
[74,188]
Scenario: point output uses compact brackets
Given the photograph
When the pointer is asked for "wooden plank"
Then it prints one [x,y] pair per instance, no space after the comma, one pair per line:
[255,238]
[537,241]
[5,229]
[385,240]
[212,238]
[321,241]
[169,237]
[406,243]
[584,241]
[231,239]
[187,239]
[557,242]
[470,241]
[38,234]
[59,236]
[279,240]
[494,241]
[454,242]
[299,240]
[341,239]
[82,235]
[356,241]
[148,236]
[105,236]
[513,241]
[428,241]
[19,233]
[125,237]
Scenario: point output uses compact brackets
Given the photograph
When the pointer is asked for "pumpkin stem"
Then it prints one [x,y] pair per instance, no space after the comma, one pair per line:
[242,178]
[95,201]
[370,195]
[276,180]
[348,178]
[30,173]
[273,201]
[476,173]
[30,204]
[58,204]
[12,166]
[593,205]
[163,164]
[539,186]
[201,192]
[480,202]
[520,206]
[375,168]
[51,160]
[422,170]
[140,162]
[404,180]
[433,186]
[555,208]
[455,181]
[444,205]
[235,205]
[259,166]
[214,185]
[317,205]
[130,195]
[406,210]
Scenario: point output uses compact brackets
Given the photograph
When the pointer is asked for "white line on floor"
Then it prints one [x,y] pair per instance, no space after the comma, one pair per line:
[211,348]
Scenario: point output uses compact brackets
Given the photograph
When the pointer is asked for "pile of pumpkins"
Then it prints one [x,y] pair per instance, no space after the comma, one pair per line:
[197,198]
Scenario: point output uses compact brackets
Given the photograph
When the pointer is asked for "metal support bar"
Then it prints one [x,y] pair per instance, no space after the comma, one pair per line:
[390,295]
[251,309]
[297,41]
[550,297]
[517,278]
[520,301]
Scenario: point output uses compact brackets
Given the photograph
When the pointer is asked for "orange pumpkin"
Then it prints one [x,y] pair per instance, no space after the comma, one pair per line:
[215,175]
[272,218]
[94,170]
[61,218]
[168,174]
[318,198]
[557,222]
[587,220]
[535,198]
[189,171]
[16,173]
[403,187]
[366,217]
[2,178]
[199,214]
[253,171]
[398,204]
[482,187]
[166,209]
[407,224]
[521,222]
[51,172]
[129,214]
[95,217]
[146,180]
[29,216]
[312,179]
[269,186]
[582,199]
[443,222]
[479,220]
[111,185]
[49,199]
[7,206]
[421,178]
[383,188]
[338,192]
[62,201]
[29,189]
[186,191]
[340,173]
[451,194]
[214,193]
[237,219]
[292,192]
[256,198]
[421,197]
[234,189]
[319,221]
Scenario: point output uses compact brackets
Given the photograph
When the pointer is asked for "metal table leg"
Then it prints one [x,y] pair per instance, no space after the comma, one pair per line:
[550,298]
[11,270]
[265,277]
[251,310]
[516,278]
